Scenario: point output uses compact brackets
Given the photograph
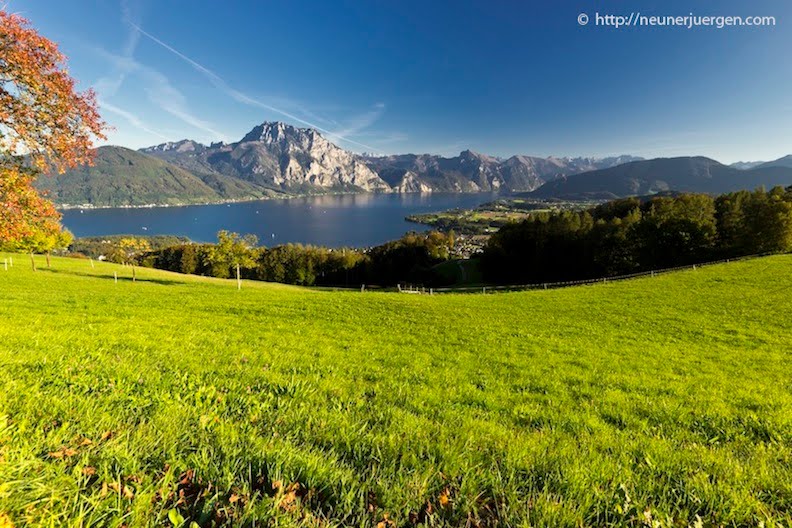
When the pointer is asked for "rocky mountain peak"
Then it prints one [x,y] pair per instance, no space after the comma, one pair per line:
[185,145]
[272,132]
[470,155]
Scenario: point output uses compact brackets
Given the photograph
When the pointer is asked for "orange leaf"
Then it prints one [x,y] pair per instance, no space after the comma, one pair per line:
[444,498]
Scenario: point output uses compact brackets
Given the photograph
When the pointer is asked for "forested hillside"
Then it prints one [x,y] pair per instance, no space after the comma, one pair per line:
[124,177]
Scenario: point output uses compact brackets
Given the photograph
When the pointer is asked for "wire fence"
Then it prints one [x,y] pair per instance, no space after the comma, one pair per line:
[566,284]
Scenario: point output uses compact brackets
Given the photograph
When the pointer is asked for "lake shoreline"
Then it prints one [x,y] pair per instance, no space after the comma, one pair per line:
[71,207]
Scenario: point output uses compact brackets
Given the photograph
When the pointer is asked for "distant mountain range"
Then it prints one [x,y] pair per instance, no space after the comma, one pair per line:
[685,174]
[744,165]
[473,172]
[277,159]
[300,160]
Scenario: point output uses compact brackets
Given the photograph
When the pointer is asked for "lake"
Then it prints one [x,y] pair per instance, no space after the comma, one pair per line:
[339,220]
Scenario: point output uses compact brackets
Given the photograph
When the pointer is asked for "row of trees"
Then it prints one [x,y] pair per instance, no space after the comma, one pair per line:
[409,259]
[633,235]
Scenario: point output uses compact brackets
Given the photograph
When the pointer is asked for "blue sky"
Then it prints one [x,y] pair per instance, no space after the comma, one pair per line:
[401,76]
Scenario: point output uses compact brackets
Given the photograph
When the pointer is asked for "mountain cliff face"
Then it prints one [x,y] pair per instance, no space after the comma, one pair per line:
[277,156]
[474,172]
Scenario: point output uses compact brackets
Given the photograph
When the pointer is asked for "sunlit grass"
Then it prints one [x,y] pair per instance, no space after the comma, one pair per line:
[662,399]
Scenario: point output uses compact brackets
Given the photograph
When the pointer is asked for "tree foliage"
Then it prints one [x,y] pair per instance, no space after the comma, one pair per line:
[409,259]
[45,125]
[231,251]
[127,250]
[24,213]
[631,235]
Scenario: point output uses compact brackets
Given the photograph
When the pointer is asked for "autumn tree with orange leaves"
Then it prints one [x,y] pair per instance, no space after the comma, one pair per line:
[46,126]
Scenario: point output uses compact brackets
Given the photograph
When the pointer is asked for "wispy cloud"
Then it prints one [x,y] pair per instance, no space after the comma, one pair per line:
[159,91]
[109,85]
[131,118]
[158,87]
[361,122]
[291,105]
[243,98]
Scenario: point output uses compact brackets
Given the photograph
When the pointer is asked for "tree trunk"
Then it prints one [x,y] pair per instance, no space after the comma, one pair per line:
[48,259]
[32,261]
[239,279]
[134,277]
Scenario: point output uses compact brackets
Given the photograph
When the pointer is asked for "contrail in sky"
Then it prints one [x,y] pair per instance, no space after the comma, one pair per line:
[236,94]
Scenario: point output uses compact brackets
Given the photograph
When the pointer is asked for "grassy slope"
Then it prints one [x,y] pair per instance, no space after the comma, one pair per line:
[583,406]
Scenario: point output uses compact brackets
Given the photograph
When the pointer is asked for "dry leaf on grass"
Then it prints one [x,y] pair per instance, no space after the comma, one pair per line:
[63,452]
[386,522]
[445,498]
[124,491]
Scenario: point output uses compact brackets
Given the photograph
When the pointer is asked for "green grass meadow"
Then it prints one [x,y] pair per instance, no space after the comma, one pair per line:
[173,400]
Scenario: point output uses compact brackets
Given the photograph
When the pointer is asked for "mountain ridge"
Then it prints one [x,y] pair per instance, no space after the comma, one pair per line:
[277,159]
[288,158]
[681,174]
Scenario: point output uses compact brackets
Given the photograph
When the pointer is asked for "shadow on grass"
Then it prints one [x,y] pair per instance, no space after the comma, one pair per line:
[125,278]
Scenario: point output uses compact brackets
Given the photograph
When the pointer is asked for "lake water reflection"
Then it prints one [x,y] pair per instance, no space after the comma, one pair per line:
[339,220]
